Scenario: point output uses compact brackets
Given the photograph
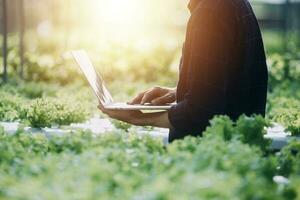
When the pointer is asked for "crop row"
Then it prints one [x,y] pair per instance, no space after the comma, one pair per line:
[224,164]
[39,106]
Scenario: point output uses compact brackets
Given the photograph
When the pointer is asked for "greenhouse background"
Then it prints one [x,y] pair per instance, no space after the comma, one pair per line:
[56,144]
[20,16]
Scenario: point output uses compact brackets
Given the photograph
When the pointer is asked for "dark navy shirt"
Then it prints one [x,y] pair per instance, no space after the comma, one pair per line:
[223,68]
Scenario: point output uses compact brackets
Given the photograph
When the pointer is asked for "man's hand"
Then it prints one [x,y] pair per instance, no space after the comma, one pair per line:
[138,118]
[155,96]
[131,117]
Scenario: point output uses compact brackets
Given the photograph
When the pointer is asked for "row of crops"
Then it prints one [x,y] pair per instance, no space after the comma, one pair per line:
[38,105]
[231,161]
[46,103]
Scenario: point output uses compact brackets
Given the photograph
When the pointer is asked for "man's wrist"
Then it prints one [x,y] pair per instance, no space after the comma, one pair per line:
[159,120]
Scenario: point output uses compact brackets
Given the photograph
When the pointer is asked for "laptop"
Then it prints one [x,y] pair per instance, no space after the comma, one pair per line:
[97,84]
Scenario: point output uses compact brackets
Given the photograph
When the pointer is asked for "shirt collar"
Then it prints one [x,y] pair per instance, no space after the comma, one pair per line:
[193,4]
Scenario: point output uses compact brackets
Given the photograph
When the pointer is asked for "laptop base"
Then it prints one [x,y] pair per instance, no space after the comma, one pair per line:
[125,106]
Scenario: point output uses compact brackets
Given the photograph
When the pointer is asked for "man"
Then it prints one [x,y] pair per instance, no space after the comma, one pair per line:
[222,72]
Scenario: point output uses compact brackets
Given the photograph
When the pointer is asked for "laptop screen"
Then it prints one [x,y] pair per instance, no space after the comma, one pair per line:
[94,79]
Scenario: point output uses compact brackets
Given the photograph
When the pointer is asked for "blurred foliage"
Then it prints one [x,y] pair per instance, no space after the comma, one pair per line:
[130,166]
[11,107]
[249,130]
[284,68]
[289,159]
[121,125]
[284,94]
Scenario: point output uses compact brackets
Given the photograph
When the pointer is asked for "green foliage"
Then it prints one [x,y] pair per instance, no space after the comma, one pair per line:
[121,125]
[295,183]
[30,90]
[289,159]
[50,68]
[253,130]
[249,130]
[283,101]
[221,126]
[286,111]
[114,166]
[46,112]
[39,105]
[290,118]
[41,113]
[217,154]
[128,61]
[11,107]
[283,68]
[37,90]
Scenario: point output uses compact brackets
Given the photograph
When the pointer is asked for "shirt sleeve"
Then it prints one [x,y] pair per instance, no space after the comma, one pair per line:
[211,41]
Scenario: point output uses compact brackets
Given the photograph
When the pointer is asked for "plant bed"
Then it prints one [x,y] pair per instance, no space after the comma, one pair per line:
[124,165]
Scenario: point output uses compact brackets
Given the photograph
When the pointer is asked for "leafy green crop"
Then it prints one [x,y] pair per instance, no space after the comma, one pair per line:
[118,166]
[286,111]
[46,112]
[290,118]
[23,103]
[30,90]
[283,68]
[11,107]
[249,130]
[284,98]
[121,125]
[289,159]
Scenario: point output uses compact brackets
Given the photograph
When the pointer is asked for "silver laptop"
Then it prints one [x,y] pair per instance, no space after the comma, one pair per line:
[102,93]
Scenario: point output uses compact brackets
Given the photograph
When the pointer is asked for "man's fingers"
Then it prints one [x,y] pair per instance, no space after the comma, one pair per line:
[137,99]
[149,96]
[168,98]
